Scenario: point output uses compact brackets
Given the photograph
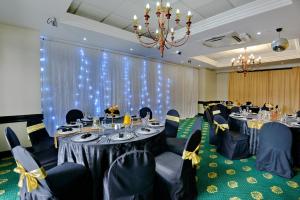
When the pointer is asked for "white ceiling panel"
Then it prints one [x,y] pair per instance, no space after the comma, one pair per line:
[213,8]
[237,3]
[117,21]
[196,3]
[91,11]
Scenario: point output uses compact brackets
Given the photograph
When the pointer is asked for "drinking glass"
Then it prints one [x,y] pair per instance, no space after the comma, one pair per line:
[127,121]
[78,122]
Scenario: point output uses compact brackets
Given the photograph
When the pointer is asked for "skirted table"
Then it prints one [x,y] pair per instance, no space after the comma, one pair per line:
[97,155]
[252,128]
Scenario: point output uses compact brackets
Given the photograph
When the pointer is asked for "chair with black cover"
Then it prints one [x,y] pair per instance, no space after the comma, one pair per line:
[42,143]
[208,115]
[73,115]
[143,112]
[176,174]
[172,123]
[264,107]
[11,138]
[235,109]
[231,144]
[254,109]
[298,113]
[64,182]
[131,176]
[224,110]
[248,103]
[274,151]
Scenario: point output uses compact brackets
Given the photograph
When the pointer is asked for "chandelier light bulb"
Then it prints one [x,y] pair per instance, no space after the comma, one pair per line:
[157,4]
[148,6]
[177,11]
[140,27]
[156,31]
[172,30]
[168,5]
[189,13]
[134,17]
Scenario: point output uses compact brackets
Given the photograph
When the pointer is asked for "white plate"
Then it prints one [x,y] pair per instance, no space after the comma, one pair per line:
[70,125]
[77,138]
[86,120]
[126,136]
[75,130]
[295,124]
[143,132]
[153,125]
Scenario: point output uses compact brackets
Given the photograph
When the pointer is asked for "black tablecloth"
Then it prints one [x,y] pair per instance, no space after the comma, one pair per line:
[98,156]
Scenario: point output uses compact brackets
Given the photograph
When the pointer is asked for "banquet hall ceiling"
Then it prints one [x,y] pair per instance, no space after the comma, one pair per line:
[119,13]
[107,25]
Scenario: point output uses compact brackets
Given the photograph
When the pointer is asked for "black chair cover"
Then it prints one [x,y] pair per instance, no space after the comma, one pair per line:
[235,109]
[73,115]
[213,140]
[42,143]
[64,182]
[254,109]
[248,103]
[131,176]
[231,144]
[265,108]
[298,113]
[176,177]
[171,125]
[143,112]
[38,135]
[274,152]
[11,138]
[224,111]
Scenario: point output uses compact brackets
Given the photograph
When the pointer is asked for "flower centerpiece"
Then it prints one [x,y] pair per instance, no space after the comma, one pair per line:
[112,111]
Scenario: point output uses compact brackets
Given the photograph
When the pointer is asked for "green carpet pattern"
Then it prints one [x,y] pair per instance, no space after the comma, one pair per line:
[8,179]
[217,177]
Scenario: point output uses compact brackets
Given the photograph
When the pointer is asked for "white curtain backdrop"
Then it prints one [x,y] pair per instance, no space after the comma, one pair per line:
[91,80]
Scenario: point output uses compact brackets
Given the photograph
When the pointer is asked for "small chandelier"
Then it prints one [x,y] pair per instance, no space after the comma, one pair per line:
[245,62]
[161,37]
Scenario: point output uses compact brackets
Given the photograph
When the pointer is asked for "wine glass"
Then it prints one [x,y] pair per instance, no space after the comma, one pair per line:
[127,121]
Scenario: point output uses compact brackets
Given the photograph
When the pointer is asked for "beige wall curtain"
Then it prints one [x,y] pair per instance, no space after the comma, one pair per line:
[279,87]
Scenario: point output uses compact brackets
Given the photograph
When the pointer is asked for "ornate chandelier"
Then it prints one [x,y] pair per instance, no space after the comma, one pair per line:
[245,62]
[163,37]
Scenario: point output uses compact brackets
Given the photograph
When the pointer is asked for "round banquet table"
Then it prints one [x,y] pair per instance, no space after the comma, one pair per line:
[97,155]
[240,124]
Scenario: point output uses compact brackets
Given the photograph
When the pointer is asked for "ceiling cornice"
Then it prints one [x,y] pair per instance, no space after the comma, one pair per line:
[235,14]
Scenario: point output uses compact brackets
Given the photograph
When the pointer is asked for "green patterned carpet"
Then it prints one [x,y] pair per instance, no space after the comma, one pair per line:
[218,178]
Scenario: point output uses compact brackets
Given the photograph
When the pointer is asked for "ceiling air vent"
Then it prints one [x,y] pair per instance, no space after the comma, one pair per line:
[228,39]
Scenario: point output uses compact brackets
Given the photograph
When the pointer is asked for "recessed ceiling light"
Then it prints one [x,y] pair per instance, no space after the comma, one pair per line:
[258,33]
[131,49]
[84,38]
[199,65]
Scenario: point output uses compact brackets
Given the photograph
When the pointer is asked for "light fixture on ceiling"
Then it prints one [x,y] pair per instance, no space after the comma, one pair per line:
[280,44]
[245,62]
[131,49]
[161,36]
[52,21]
[84,38]
[258,33]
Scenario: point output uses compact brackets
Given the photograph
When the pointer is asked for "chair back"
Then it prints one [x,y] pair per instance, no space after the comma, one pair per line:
[38,134]
[248,103]
[143,112]
[224,110]
[132,176]
[208,116]
[73,115]
[220,120]
[30,163]
[273,133]
[235,109]
[254,109]
[11,138]
[298,113]
[172,123]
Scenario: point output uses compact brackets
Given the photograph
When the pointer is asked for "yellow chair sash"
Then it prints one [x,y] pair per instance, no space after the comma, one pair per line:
[172,118]
[35,127]
[215,112]
[31,177]
[191,155]
[223,127]
[257,124]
